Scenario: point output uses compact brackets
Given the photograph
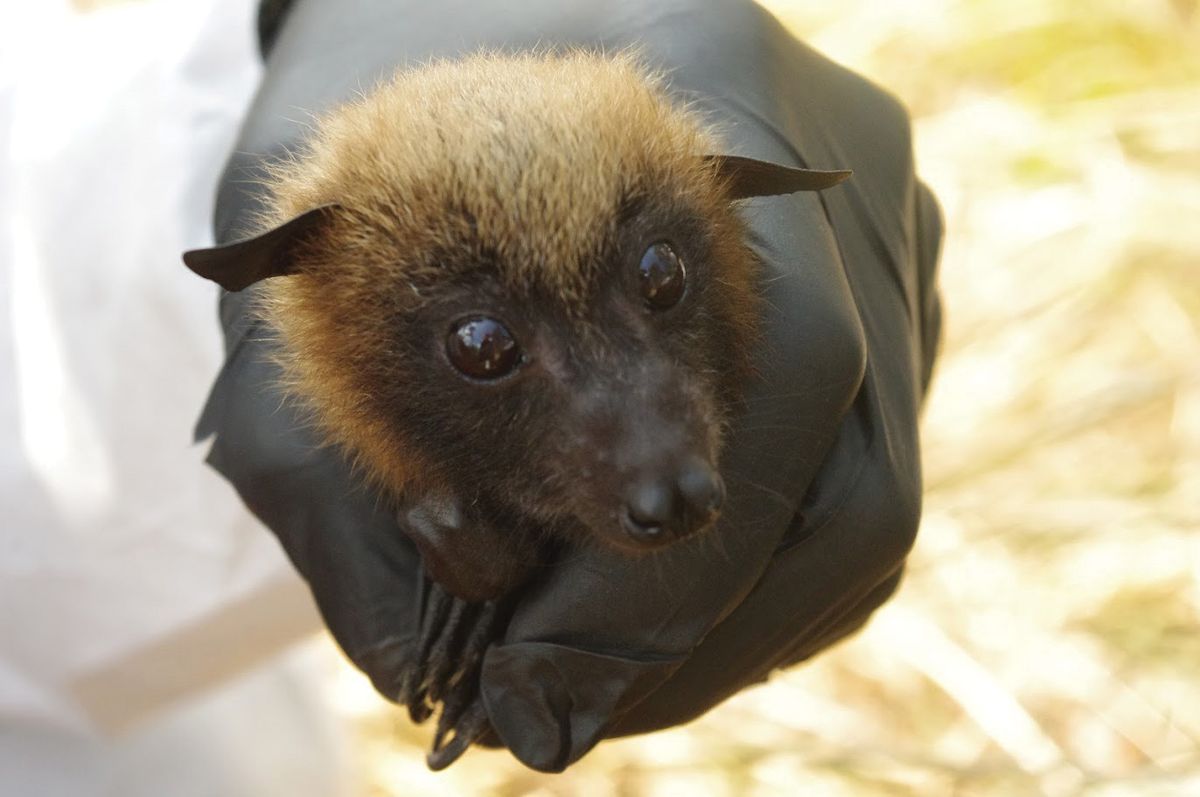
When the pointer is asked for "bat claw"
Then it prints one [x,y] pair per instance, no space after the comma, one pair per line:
[454,636]
[467,730]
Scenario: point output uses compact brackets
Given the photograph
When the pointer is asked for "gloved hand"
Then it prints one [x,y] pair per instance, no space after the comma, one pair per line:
[822,466]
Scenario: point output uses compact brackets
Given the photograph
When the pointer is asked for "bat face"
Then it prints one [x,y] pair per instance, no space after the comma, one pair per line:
[603,417]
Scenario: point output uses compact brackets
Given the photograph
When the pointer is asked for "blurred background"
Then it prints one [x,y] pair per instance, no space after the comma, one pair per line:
[1045,640]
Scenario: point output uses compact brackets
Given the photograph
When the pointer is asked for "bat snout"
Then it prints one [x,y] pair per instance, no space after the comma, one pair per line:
[671,503]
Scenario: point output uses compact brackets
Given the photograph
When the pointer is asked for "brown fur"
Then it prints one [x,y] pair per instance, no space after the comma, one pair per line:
[524,163]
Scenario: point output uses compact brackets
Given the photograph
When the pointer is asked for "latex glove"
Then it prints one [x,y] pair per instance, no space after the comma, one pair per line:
[822,468]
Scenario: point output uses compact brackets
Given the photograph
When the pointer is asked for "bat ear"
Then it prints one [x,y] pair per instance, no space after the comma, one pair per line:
[747,177]
[272,254]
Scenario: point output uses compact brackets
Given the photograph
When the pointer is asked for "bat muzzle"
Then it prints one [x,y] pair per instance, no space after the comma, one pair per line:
[671,504]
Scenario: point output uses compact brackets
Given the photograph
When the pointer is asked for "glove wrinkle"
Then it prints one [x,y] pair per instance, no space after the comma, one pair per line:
[550,704]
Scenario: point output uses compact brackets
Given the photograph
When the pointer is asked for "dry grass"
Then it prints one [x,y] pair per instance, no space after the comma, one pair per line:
[1045,641]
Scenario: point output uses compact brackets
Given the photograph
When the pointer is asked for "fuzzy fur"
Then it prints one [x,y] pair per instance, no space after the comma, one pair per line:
[520,167]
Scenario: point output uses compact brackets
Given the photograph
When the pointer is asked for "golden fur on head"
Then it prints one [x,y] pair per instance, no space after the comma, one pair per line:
[524,161]
[550,143]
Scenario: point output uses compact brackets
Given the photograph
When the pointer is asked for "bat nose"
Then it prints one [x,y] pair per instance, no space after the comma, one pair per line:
[661,507]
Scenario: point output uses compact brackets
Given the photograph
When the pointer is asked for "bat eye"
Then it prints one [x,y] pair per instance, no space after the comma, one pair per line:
[661,276]
[482,348]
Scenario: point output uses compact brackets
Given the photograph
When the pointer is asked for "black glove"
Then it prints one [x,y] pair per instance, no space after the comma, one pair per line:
[822,467]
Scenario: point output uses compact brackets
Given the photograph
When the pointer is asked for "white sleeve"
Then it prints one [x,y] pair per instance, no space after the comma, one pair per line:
[130,575]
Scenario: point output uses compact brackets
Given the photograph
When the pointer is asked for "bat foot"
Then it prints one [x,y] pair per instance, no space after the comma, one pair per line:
[454,636]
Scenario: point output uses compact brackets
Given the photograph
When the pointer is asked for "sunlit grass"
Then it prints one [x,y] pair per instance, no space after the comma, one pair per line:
[1045,640]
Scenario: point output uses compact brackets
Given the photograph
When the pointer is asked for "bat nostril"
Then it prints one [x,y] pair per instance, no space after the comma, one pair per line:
[702,487]
[652,503]
[641,532]
[651,513]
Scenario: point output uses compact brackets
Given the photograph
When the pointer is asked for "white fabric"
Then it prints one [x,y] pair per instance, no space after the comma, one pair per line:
[130,575]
